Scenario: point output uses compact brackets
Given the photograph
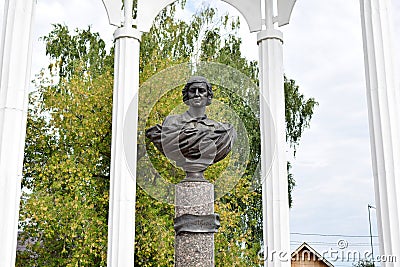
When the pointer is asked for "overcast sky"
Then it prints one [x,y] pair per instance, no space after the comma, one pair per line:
[323,52]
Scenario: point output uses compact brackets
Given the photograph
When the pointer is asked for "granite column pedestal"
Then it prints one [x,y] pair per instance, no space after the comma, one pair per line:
[194,249]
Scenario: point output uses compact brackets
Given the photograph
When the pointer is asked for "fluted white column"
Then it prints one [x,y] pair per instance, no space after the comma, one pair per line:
[273,144]
[121,220]
[384,121]
[273,149]
[121,225]
[15,63]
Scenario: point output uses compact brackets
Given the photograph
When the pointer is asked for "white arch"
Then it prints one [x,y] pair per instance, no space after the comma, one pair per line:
[285,8]
[147,10]
[251,11]
[113,9]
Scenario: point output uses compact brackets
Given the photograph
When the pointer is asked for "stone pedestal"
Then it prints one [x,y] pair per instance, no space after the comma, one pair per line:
[194,249]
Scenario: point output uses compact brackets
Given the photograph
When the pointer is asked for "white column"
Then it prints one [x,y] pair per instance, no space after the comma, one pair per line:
[121,225]
[15,62]
[273,149]
[273,144]
[384,120]
[121,219]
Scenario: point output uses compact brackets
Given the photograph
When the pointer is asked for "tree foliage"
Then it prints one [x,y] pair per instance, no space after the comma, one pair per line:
[299,111]
[63,219]
[67,156]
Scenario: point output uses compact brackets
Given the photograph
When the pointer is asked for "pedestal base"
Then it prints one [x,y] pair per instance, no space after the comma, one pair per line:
[194,249]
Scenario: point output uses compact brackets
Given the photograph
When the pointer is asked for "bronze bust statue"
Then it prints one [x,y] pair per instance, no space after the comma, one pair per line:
[191,139]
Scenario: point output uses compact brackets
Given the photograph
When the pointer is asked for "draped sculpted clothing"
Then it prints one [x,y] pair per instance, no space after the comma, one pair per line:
[193,143]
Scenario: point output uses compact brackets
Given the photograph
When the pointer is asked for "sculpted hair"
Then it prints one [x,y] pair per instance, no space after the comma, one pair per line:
[197,79]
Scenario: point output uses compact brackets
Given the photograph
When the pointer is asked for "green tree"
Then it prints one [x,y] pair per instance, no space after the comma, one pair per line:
[67,156]
[64,208]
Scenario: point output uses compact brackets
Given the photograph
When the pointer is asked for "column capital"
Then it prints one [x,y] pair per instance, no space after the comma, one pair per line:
[127,32]
[269,34]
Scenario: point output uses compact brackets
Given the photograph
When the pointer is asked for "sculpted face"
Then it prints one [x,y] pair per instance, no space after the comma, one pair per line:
[198,95]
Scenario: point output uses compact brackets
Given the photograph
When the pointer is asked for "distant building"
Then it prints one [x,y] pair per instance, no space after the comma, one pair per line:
[306,256]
